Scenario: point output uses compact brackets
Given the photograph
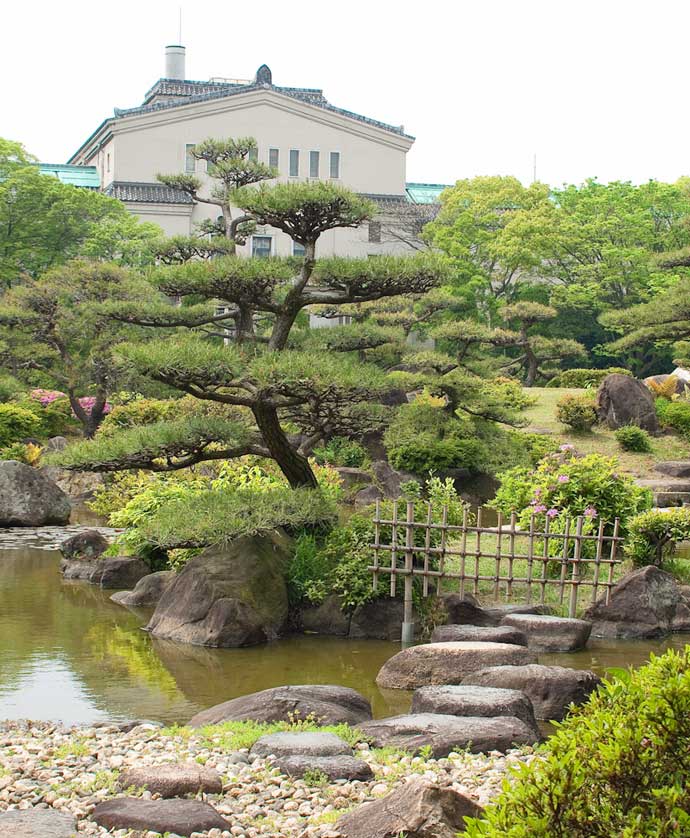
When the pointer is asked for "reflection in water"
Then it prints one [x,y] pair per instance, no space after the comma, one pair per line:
[68,653]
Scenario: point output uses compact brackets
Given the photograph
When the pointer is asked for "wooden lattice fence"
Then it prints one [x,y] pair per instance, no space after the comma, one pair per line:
[512,564]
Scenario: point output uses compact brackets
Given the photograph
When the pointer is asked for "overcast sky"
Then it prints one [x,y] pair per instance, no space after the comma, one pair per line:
[593,88]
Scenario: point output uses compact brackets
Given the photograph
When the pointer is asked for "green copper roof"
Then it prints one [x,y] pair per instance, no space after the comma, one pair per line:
[425,193]
[85,176]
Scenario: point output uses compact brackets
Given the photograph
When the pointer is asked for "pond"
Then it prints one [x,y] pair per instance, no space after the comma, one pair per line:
[68,653]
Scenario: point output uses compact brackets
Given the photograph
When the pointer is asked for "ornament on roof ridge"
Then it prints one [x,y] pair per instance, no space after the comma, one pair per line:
[264,75]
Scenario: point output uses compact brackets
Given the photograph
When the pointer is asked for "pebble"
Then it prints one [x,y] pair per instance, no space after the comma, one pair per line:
[257,800]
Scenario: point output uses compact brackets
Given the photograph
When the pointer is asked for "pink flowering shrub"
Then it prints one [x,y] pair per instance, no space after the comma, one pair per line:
[565,483]
[47,397]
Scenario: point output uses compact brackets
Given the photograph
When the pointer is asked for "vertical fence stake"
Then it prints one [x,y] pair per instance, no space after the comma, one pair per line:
[511,558]
[377,542]
[394,549]
[477,552]
[530,559]
[545,562]
[564,560]
[408,614]
[574,582]
[499,538]
[442,560]
[597,559]
[612,558]
[463,551]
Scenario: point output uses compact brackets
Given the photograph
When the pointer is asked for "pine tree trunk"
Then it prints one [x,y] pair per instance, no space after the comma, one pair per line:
[293,465]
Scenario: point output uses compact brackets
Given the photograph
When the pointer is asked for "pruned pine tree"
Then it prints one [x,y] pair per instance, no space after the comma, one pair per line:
[289,398]
[535,350]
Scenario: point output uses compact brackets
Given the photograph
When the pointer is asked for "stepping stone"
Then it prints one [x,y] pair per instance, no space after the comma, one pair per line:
[417,809]
[474,701]
[335,768]
[172,780]
[37,823]
[301,744]
[329,705]
[443,733]
[551,689]
[466,610]
[181,817]
[447,663]
[674,468]
[551,634]
[485,634]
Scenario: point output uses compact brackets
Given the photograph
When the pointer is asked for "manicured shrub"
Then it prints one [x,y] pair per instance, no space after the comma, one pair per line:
[577,411]
[566,483]
[341,451]
[136,412]
[618,766]
[674,415]
[17,422]
[653,535]
[9,388]
[632,438]
[580,378]
[512,393]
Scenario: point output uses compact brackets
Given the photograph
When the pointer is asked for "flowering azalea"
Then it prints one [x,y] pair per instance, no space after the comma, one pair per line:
[552,513]
[563,478]
[591,512]
[540,508]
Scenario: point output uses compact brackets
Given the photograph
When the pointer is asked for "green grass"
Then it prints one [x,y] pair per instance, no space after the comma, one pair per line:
[542,417]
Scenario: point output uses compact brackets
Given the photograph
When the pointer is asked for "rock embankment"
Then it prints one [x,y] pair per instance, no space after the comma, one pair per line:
[52,776]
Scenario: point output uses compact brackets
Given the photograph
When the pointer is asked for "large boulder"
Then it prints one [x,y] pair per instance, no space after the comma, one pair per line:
[417,809]
[551,689]
[378,620]
[181,817]
[674,468]
[459,700]
[443,733]
[30,499]
[337,767]
[173,779]
[447,663]
[88,544]
[37,823]
[329,705]
[119,572]
[147,591]
[647,602]
[466,610]
[79,485]
[231,595]
[327,618]
[623,400]
[387,479]
[286,744]
[352,478]
[551,634]
[487,634]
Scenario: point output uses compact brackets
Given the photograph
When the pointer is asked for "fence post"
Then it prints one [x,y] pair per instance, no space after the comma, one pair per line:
[574,582]
[407,636]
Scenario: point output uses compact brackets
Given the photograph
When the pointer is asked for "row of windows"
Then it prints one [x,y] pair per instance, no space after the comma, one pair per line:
[294,165]
[262,247]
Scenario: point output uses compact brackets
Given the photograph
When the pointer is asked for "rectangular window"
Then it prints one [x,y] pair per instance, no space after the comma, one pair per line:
[189,159]
[375,232]
[108,159]
[261,246]
[313,164]
[335,164]
[294,163]
[297,249]
[253,154]
[273,158]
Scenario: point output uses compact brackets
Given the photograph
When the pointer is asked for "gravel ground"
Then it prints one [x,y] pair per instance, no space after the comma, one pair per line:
[73,769]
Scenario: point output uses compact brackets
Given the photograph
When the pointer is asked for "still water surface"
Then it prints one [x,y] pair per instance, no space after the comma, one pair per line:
[68,653]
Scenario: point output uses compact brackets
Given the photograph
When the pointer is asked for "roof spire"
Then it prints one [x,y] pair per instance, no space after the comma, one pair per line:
[264,75]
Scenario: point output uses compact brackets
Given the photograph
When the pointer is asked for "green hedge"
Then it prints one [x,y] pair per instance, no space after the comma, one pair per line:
[584,377]
[618,767]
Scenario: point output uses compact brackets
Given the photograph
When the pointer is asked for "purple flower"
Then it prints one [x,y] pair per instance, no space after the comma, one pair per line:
[563,478]
[537,493]
[567,447]
[552,513]
[591,512]
[540,508]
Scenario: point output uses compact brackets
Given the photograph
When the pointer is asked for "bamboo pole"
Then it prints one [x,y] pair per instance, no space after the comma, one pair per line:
[408,614]
[574,583]
[394,547]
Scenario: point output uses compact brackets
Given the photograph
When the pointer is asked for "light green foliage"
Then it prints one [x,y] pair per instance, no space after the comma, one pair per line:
[577,411]
[17,422]
[632,438]
[569,484]
[619,765]
[9,388]
[675,415]
[653,535]
[138,411]
[341,451]
[511,392]
[314,777]
[581,378]
[28,453]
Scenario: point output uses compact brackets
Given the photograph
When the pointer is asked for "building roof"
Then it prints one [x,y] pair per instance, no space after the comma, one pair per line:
[187,91]
[146,193]
[425,193]
[84,176]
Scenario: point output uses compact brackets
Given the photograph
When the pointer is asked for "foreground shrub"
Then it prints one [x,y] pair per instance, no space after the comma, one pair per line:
[618,766]
[16,423]
[136,412]
[632,438]
[566,483]
[577,411]
[581,378]
[512,393]
[653,535]
[674,415]
[9,388]
[26,453]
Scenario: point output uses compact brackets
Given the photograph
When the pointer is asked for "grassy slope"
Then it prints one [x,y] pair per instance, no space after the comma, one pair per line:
[541,417]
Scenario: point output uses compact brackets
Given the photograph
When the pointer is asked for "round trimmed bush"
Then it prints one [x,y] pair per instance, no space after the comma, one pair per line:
[632,438]
[577,411]
[16,423]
